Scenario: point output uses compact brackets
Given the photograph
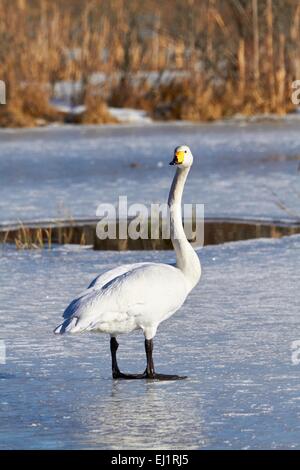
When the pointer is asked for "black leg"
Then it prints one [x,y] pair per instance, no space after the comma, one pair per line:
[149,354]
[113,349]
[116,373]
[150,372]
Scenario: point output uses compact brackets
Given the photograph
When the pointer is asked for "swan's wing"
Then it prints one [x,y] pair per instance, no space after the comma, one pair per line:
[144,295]
[97,284]
[106,277]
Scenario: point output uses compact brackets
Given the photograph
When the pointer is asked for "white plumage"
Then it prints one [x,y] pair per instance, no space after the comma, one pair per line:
[140,295]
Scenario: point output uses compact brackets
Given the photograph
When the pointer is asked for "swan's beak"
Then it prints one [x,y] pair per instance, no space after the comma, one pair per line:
[178,158]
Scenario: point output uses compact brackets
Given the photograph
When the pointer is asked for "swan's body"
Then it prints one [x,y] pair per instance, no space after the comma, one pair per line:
[140,295]
[120,303]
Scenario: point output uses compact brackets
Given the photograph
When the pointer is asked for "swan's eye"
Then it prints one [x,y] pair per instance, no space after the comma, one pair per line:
[185,151]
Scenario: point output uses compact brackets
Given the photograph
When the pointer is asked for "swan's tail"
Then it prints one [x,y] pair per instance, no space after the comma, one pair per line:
[68,326]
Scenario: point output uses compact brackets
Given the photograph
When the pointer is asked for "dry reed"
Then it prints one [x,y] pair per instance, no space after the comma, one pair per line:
[211,58]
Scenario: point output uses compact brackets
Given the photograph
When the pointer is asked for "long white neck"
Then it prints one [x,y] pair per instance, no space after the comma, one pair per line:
[186,258]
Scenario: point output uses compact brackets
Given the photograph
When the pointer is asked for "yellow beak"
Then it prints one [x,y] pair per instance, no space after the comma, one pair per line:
[179,157]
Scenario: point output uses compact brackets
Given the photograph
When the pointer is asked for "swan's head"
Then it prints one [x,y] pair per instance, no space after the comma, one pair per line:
[183,157]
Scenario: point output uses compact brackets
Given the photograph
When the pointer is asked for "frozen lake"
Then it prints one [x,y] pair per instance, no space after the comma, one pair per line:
[232,338]
[68,171]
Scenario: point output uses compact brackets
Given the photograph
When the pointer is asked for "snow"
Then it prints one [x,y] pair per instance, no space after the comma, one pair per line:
[66,89]
[124,115]
[232,338]
[129,115]
[239,171]
[65,107]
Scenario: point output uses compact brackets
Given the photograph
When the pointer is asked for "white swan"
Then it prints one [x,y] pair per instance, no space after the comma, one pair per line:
[141,295]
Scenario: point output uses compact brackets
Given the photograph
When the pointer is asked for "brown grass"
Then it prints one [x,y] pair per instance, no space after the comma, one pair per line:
[96,110]
[30,107]
[29,239]
[236,56]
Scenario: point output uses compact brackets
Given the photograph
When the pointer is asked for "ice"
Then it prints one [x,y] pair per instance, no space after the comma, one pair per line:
[232,338]
[240,170]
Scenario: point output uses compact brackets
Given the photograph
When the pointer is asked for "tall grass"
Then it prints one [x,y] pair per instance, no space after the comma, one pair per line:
[211,58]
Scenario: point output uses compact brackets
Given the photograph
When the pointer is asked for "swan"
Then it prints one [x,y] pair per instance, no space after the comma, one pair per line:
[140,295]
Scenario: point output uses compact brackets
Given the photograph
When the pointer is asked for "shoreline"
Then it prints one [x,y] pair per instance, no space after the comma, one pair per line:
[217,230]
[237,119]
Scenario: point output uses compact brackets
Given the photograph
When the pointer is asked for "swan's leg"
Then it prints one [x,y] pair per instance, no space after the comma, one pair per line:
[113,349]
[116,373]
[150,371]
[149,354]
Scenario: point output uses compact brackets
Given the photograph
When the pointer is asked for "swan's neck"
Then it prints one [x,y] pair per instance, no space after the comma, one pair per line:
[186,258]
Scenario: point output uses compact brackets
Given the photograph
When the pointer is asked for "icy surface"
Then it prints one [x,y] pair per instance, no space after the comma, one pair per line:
[232,338]
[68,171]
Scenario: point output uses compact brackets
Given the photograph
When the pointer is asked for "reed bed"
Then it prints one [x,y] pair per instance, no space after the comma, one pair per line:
[177,59]
[28,239]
